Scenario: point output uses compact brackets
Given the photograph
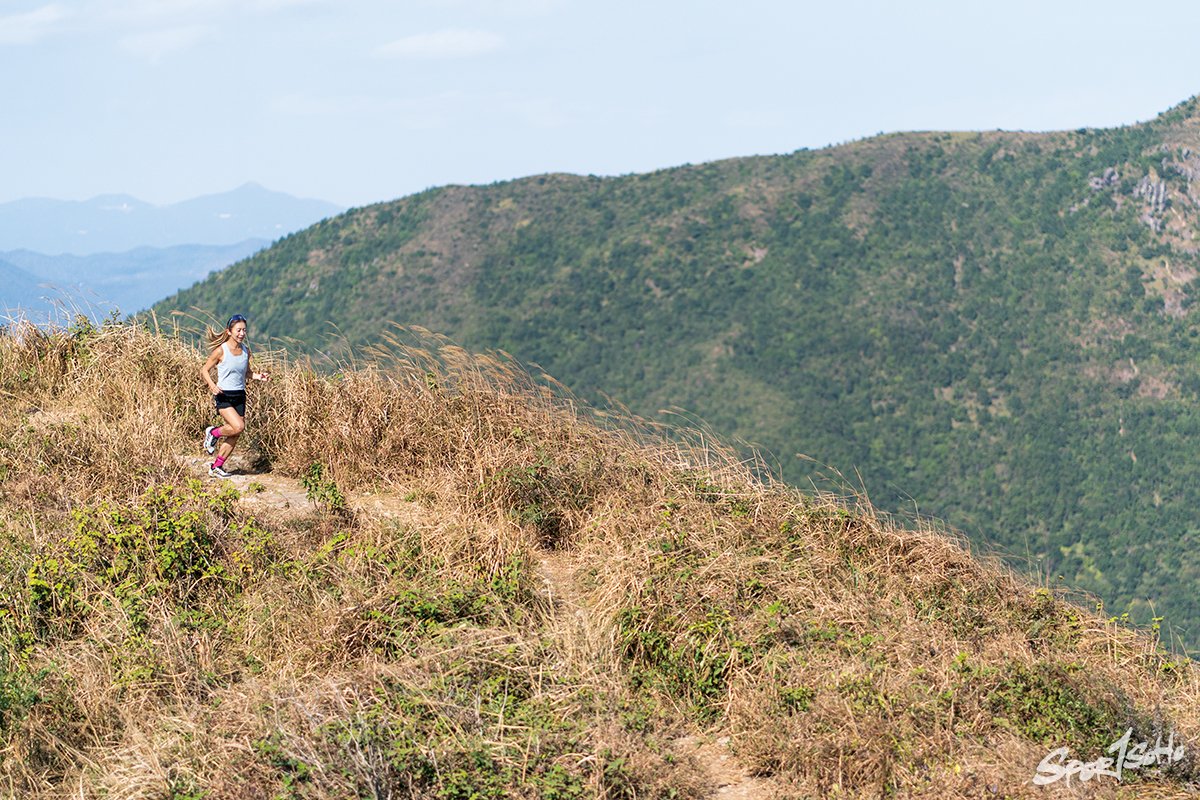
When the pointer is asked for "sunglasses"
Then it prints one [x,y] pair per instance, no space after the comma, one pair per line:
[235,318]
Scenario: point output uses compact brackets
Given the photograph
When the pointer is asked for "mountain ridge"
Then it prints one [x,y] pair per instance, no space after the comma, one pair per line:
[994,327]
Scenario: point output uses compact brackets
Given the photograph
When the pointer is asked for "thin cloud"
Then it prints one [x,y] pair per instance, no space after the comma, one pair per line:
[155,11]
[31,26]
[505,7]
[537,112]
[752,119]
[302,105]
[154,45]
[278,5]
[430,112]
[443,45]
[158,11]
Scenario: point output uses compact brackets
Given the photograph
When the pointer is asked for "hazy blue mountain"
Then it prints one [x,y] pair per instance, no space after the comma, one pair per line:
[117,223]
[18,287]
[97,283]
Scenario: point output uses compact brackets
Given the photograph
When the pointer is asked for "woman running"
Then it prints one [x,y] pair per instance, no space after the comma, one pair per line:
[231,357]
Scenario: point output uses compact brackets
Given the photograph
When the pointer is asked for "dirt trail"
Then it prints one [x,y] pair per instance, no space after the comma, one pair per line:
[259,490]
[728,777]
[285,496]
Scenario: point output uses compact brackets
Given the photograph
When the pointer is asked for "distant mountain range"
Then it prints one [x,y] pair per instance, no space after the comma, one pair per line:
[47,286]
[116,223]
[115,251]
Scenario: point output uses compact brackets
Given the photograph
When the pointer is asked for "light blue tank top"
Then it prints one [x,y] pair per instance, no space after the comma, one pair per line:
[231,369]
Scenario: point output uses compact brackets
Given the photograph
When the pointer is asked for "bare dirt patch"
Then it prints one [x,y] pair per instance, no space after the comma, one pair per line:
[265,490]
[724,773]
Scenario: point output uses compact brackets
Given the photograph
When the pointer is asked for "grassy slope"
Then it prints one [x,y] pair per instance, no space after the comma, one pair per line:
[960,319]
[162,639]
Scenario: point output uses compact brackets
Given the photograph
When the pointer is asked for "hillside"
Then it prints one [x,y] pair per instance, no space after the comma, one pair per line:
[437,576]
[995,328]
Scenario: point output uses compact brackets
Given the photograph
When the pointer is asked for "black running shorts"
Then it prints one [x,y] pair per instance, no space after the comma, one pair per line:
[234,400]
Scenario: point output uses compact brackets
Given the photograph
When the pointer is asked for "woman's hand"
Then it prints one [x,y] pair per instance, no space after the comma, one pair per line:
[261,376]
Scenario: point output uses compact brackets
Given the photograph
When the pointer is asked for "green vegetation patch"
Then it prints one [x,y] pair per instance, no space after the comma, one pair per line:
[484,719]
[322,490]
[1050,702]
[541,494]
[689,660]
[183,544]
[422,611]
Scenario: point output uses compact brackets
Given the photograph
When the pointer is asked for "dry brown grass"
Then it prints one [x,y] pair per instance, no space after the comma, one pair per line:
[565,595]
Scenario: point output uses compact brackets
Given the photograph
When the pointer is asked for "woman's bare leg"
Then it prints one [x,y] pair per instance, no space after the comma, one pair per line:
[231,428]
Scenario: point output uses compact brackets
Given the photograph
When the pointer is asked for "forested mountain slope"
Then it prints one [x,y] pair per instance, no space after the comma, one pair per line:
[996,328]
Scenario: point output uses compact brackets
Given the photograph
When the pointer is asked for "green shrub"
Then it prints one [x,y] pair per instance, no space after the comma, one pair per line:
[322,490]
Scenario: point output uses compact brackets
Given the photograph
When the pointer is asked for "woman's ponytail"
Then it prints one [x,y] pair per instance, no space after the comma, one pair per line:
[216,338]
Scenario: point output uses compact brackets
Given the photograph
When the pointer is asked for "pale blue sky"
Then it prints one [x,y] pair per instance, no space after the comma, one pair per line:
[357,101]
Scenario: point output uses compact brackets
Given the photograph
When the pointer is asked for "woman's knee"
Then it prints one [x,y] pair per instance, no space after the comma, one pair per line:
[233,428]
